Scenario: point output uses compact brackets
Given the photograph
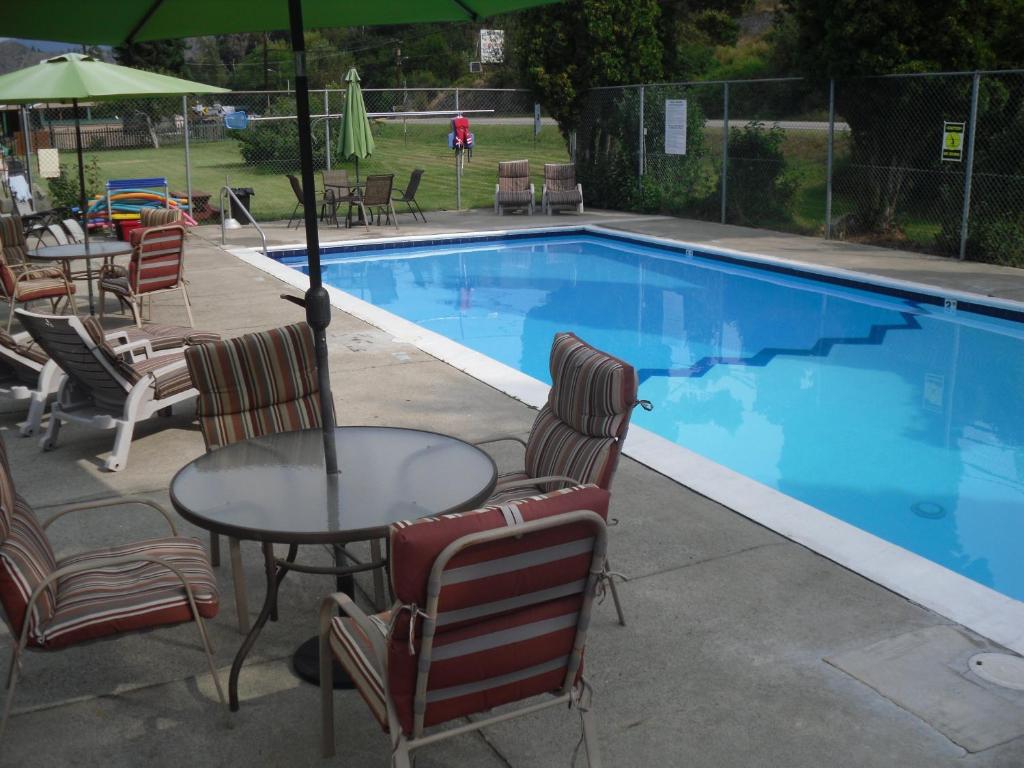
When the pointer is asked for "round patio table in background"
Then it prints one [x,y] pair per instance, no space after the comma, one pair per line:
[275,490]
[98,249]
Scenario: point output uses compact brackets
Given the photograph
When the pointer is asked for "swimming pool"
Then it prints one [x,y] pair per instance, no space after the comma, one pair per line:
[890,409]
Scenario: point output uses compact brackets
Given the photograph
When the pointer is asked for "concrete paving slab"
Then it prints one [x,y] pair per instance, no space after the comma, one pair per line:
[926,673]
[721,663]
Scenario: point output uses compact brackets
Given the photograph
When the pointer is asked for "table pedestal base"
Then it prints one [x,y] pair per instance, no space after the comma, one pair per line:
[306,663]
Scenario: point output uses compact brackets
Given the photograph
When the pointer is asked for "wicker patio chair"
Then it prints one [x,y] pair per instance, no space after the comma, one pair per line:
[51,603]
[409,195]
[22,282]
[491,608]
[157,265]
[106,387]
[560,188]
[253,385]
[513,189]
[577,436]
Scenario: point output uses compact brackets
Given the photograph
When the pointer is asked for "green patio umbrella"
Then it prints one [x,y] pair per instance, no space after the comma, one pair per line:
[356,139]
[123,22]
[73,76]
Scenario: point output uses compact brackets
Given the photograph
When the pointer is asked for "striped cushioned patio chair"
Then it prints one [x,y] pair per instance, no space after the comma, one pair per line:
[560,188]
[50,603]
[577,436]
[157,265]
[253,385]
[159,217]
[492,607]
[513,189]
[107,386]
[22,282]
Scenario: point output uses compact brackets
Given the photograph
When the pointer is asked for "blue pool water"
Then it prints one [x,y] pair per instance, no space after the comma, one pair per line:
[894,414]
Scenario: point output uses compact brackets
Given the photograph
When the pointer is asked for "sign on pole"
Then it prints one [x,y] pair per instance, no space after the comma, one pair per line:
[536,119]
[675,126]
[492,46]
[953,142]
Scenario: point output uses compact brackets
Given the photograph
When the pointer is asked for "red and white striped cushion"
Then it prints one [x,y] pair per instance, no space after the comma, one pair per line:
[507,610]
[156,258]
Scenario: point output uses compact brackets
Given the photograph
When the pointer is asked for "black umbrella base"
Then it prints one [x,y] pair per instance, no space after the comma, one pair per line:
[306,663]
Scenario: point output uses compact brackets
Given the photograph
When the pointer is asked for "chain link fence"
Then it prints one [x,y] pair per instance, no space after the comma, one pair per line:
[138,138]
[930,163]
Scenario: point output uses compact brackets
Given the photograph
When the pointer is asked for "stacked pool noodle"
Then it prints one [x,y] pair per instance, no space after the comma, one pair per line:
[126,205]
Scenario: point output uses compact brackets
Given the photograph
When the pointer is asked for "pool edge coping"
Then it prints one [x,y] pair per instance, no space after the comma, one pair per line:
[969,603]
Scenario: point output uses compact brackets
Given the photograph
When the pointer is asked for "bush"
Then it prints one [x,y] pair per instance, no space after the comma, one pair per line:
[759,191]
[64,189]
[274,146]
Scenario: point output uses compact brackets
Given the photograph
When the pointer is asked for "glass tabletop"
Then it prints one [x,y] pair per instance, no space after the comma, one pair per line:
[275,488]
[97,249]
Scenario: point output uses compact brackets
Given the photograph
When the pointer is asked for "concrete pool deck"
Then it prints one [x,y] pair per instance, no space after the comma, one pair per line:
[737,642]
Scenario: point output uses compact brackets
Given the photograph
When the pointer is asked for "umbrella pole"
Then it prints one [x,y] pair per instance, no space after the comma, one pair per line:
[318,305]
[81,204]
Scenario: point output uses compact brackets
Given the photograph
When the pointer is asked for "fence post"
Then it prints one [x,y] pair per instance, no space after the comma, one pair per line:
[26,131]
[188,157]
[969,170]
[327,126]
[829,156]
[725,146]
[642,142]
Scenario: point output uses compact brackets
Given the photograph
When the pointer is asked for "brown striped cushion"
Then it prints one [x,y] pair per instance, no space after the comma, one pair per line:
[592,391]
[42,288]
[26,560]
[514,176]
[122,598]
[256,384]
[482,651]
[353,651]
[555,448]
[560,177]
[570,197]
[157,217]
[31,350]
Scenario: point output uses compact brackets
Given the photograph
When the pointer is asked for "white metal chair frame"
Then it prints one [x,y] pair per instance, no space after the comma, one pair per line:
[571,692]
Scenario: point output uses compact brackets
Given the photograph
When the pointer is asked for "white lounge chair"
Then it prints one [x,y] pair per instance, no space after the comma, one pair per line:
[107,387]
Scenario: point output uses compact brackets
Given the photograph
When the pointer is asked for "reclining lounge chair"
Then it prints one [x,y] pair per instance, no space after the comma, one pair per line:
[513,189]
[560,188]
[107,387]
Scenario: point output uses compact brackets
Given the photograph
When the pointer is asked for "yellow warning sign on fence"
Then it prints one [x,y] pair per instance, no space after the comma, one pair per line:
[953,141]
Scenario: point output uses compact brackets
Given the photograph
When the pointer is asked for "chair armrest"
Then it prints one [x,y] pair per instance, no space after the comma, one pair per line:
[115,501]
[131,347]
[533,192]
[534,481]
[347,605]
[500,439]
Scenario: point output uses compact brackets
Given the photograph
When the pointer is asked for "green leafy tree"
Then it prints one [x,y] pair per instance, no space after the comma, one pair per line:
[850,39]
[165,56]
[566,49]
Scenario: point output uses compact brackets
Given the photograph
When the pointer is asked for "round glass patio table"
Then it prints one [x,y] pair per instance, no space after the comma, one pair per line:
[275,489]
[98,249]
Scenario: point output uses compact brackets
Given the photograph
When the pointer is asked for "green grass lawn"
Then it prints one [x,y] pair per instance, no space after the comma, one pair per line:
[425,146]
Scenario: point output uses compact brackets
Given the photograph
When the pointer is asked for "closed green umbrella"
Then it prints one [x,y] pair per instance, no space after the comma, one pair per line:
[73,76]
[356,138]
[123,22]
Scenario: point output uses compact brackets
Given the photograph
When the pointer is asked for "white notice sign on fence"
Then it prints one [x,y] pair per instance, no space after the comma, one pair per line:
[675,126]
